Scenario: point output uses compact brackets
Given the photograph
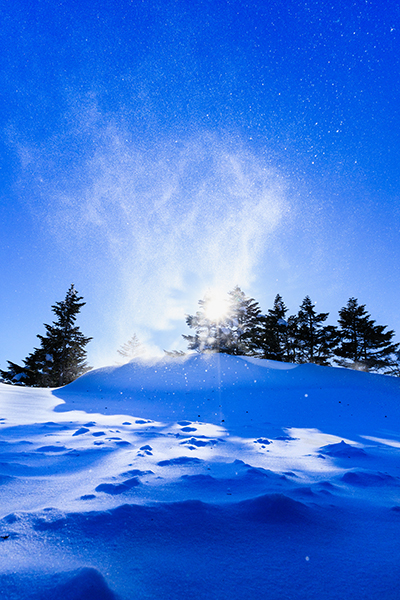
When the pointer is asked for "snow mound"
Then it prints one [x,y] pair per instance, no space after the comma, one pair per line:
[240,393]
[275,508]
[191,372]
[343,450]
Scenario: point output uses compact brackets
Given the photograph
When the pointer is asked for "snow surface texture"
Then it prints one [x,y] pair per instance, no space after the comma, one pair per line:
[208,476]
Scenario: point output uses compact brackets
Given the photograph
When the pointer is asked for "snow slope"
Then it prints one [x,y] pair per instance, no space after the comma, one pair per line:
[208,476]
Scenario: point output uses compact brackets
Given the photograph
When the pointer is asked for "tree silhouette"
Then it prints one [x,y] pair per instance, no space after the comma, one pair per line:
[363,344]
[61,356]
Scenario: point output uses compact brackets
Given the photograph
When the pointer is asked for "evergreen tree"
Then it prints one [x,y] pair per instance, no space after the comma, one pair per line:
[243,323]
[393,367]
[274,333]
[231,333]
[131,349]
[61,357]
[315,342]
[363,344]
[207,334]
[300,338]
[16,374]
[292,338]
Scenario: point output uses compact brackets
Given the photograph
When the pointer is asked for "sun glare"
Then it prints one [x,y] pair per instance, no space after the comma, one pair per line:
[216,305]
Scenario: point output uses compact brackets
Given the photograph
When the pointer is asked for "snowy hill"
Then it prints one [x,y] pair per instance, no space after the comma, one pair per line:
[208,476]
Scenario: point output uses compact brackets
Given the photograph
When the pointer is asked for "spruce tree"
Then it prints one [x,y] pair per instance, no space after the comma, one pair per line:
[232,333]
[315,342]
[61,356]
[363,344]
[243,323]
[273,340]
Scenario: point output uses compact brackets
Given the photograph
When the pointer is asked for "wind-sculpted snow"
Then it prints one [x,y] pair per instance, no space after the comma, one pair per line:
[205,477]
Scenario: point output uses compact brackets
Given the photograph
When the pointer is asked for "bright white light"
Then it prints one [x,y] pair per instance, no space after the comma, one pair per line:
[216,305]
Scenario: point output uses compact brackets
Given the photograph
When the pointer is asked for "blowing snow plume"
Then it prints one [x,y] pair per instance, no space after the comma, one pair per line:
[167,221]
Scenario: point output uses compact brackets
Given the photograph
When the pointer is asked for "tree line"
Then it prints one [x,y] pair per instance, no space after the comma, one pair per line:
[356,341]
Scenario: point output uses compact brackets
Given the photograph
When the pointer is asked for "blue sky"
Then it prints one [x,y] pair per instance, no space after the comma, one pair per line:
[151,150]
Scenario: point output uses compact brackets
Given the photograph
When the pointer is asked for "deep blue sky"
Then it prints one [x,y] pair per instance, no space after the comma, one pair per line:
[150,150]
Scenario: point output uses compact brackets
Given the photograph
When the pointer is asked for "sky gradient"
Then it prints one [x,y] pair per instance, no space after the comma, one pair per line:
[151,150]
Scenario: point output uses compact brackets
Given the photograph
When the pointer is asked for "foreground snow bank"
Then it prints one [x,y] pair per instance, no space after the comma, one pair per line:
[209,476]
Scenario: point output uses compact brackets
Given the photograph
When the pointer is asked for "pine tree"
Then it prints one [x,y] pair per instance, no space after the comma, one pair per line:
[61,357]
[363,344]
[315,342]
